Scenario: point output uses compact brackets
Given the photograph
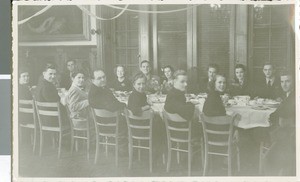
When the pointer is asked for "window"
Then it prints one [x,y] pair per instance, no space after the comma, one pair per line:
[270,36]
[126,40]
[213,25]
[171,37]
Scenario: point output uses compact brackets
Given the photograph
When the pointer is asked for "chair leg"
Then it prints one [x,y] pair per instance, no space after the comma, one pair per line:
[130,154]
[97,148]
[202,152]
[88,144]
[34,139]
[59,144]
[169,159]
[260,158]
[229,165]
[205,163]
[117,151]
[150,157]
[41,142]
[189,160]
[72,142]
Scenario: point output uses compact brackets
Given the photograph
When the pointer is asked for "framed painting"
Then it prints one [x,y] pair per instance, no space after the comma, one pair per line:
[58,25]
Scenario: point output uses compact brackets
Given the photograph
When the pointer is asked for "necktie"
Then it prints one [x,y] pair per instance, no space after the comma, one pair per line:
[269,83]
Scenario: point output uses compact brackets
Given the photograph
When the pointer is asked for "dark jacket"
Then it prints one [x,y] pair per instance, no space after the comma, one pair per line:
[66,80]
[125,85]
[103,98]
[176,103]
[213,105]
[46,92]
[286,109]
[237,89]
[136,101]
[264,91]
[24,92]
[204,85]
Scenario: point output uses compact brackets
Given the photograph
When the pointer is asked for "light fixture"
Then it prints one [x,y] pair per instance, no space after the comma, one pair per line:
[220,12]
[258,11]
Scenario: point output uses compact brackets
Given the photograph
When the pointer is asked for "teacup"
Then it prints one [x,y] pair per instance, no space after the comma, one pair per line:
[252,102]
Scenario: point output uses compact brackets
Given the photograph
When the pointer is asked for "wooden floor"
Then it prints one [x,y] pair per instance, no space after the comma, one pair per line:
[77,165]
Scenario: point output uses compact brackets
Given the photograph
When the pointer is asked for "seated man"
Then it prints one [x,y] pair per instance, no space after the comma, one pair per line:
[212,71]
[269,86]
[286,110]
[100,96]
[176,104]
[66,77]
[153,81]
[176,101]
[282,157]
[46,90]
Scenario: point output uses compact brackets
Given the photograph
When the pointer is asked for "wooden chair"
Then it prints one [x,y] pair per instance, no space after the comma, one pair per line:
[27,119]
[139,130]
[81,131]
[286,126]
[178,134]
[218,133]
[50,112]
[106,126]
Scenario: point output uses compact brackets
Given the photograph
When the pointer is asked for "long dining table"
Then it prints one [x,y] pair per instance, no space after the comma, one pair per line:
[251,116]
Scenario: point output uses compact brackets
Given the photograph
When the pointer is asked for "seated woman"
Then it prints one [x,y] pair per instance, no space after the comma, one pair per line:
[137,101]
[24,87]
[213,105]
[240,84]
[121,83]
[152,81]
[77,98]
[167,84]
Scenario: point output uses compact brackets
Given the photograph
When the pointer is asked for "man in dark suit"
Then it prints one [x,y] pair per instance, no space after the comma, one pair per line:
[212,71]
[46,90]
[282,157]
[66,77]
[176,101]
[100,96]
[269,86]
[287,107]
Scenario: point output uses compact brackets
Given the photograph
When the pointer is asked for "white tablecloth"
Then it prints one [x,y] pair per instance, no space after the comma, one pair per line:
[250,118]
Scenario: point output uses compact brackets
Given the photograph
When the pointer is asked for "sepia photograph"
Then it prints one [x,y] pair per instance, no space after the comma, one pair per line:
[114,91]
